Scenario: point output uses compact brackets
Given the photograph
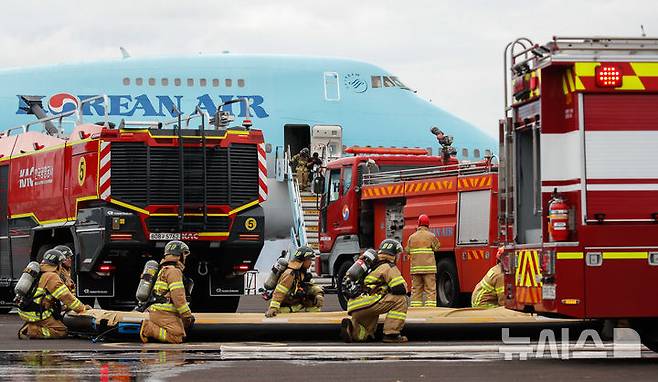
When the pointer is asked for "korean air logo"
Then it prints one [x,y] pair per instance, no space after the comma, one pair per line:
[62,102]
[354,82]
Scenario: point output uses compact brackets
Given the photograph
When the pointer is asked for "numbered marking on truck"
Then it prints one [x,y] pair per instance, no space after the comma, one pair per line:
[250,224]
[82,171]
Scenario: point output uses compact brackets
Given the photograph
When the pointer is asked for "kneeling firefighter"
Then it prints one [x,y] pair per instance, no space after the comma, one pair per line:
[383,290]
[490,291]
[169,313]
[65,272]
[40,294]
[295,292]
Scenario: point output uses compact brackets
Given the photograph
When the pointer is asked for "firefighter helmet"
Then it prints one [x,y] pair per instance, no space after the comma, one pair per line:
[390,247]
[304,252]
[177,248]
[305,151]
[66,250]
[423,220]
[53,257]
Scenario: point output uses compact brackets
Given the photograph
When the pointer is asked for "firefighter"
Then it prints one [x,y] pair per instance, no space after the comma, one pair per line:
[490,291]
[421,246]
[65,273]
[295,292]
[298,163]
[170,315]
[385,291]
[42,313]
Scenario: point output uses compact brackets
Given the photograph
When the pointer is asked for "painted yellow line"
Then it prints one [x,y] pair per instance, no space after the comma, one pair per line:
[625,255]
[569,255]
[129,206]
[212,234]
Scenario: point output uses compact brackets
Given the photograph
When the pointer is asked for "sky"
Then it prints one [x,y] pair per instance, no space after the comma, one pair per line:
[450,52]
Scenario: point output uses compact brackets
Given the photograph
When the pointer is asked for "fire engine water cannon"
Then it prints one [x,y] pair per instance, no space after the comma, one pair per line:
[223,118]
[446,143]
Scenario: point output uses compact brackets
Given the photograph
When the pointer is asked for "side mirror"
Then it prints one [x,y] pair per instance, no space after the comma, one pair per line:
[318,185]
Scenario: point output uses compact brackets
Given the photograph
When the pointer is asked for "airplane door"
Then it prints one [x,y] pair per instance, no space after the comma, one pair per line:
[296,137]
[331,87]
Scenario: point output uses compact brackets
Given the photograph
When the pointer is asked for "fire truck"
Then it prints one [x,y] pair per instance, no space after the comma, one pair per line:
[379,193]
[579,179]
[117,194]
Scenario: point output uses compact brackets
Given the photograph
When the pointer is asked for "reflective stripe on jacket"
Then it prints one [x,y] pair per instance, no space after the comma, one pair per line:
[421,246]
[169,284]
[50,289]
[384,277]
[490,291]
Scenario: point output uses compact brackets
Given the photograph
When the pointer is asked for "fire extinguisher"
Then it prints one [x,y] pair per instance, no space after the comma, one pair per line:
[558,218]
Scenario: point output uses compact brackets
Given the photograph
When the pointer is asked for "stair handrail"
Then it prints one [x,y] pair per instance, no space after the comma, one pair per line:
[298,236]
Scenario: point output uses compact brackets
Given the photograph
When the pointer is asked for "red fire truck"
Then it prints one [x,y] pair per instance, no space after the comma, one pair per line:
[579,179]
[379,193]
[118,194]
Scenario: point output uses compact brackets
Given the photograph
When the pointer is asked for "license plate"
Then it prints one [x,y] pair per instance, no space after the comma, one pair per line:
[548,292]
[164,236]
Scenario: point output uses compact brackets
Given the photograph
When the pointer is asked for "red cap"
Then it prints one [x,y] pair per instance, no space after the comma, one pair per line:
[423,220]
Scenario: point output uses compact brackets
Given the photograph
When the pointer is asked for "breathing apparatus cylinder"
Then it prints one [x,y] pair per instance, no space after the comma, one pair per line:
[278,268]
[146,281]
[361,266]
[27,279]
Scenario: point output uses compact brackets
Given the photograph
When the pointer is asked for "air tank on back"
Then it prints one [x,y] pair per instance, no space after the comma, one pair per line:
[27,279]
[146,281]
[362,265]
[278,268]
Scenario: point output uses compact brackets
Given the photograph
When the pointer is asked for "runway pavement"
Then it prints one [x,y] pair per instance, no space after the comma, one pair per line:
[462,353]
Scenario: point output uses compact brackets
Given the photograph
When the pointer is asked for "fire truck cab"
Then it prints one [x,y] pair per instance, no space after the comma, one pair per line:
[579,179]
[379,194]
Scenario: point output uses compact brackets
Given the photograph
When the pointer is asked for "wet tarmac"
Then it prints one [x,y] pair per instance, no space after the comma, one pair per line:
[471,352]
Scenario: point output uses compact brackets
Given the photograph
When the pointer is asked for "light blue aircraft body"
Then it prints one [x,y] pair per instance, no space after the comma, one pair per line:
[289,95]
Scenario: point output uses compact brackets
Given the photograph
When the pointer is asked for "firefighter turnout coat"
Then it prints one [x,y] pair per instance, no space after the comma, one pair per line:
[489,292]
[386,293]
[169,316]
[295,292]
[42,320]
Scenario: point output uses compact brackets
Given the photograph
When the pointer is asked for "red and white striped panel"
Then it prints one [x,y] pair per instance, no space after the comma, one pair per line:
[262,173]
[105,172]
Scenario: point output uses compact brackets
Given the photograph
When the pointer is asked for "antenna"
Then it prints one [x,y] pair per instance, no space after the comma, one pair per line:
[644,34]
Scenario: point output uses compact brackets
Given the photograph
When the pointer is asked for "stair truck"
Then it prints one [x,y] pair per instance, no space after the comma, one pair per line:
[379,193]
[579,180]
[117,194]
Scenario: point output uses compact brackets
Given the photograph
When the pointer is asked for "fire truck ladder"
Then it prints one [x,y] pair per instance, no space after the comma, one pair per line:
[461,169]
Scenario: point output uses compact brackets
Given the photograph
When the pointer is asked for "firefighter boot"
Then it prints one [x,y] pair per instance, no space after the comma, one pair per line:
[394,338]
[346,330]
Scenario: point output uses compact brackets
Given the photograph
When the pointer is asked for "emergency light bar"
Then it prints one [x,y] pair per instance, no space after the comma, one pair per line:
[608,76]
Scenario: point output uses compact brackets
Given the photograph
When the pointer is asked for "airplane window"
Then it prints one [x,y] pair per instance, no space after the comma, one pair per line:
[400,83]
[139,81]
[487,153]
[465,152]
[151,81]
[126,81]
[388,82]
[228,82]
[376,81]
[240,83]
[177,81]
[215,82]
[164,82]
[203,82]
[476,153]
[190,82]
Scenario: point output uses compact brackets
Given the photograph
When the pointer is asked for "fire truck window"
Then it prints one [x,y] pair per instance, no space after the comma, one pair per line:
[139,81]
[165,82]
[334,186]
[476,153]
[347,179]
[215,82]
[126,81]
[388,82]
[203,82]
[376,81]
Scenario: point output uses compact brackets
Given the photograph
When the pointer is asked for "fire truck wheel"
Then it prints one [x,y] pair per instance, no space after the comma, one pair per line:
[447,283]
[340,275]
